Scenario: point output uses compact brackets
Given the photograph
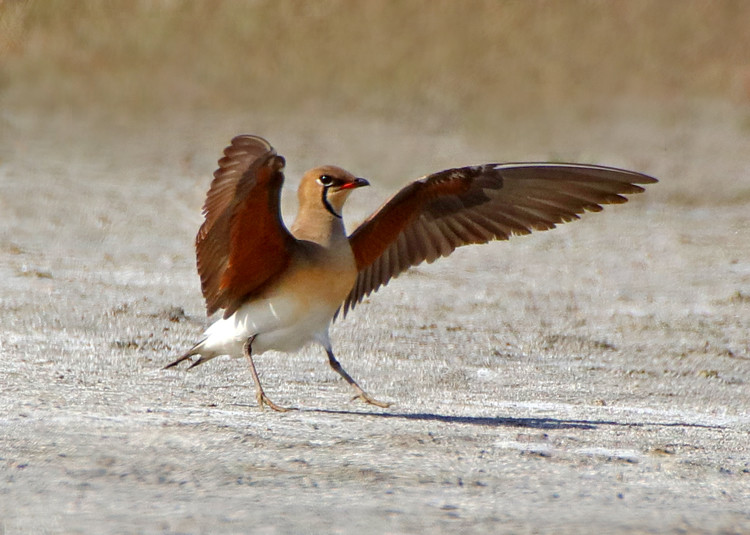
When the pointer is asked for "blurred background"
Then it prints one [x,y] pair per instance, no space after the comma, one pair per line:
[492,69]
[390,89]
[539,79]
[461,63]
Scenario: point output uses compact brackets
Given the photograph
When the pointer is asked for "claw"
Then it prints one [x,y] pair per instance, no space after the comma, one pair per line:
[263,400]
[364,396]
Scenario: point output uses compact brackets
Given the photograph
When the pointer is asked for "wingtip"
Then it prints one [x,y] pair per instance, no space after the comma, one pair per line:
[250,139]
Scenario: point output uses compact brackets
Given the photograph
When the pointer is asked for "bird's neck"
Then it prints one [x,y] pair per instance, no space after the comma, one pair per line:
[319,226]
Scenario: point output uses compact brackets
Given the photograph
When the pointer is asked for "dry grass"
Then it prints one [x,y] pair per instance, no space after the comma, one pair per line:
[448,58]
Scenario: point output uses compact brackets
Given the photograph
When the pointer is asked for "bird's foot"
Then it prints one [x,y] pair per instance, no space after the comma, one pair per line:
[364,396]
[264,400]
[361,394]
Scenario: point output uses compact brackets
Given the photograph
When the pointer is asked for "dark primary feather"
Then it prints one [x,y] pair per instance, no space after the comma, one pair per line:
[243,242]
[433,216]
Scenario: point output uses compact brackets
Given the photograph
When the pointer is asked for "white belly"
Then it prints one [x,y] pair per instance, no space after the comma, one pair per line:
[278,324]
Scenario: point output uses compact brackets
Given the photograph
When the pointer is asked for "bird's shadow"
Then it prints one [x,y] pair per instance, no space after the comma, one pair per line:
[505,421]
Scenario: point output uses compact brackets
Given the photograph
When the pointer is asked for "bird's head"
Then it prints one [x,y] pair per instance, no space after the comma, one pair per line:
[328,187]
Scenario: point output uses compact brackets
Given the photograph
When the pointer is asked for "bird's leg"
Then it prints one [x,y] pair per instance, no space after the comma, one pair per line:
[259,394]
[361,394]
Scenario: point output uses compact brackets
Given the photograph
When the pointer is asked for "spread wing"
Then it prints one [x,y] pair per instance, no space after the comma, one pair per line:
[429,218]
[243,242]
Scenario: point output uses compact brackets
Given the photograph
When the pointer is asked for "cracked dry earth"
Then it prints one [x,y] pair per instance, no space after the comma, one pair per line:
[594,378]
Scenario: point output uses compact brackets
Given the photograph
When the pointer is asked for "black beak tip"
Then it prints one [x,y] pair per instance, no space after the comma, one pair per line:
[361,182]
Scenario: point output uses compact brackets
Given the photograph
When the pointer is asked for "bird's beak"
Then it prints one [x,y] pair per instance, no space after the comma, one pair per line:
[356,183]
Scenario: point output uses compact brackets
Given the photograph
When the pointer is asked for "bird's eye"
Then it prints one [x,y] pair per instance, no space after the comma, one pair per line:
[325,180]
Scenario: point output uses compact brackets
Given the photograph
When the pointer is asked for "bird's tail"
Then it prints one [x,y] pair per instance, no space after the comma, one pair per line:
[195,350]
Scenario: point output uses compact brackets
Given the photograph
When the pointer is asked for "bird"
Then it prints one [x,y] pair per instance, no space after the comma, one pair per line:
[281,288]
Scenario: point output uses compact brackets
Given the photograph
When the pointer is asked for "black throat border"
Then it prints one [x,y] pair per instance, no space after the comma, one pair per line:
[327,204]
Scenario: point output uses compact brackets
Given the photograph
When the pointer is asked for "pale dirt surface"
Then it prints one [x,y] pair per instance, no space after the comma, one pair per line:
[591,379]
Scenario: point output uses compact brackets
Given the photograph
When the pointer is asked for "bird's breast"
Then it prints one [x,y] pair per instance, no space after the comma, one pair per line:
[320,272]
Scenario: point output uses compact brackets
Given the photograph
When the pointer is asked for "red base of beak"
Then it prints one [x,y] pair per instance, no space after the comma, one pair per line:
[356,183]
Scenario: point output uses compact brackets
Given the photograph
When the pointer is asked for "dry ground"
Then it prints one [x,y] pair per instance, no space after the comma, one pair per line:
[593,378]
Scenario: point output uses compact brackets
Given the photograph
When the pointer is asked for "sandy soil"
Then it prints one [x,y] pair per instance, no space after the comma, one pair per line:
[589,379]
